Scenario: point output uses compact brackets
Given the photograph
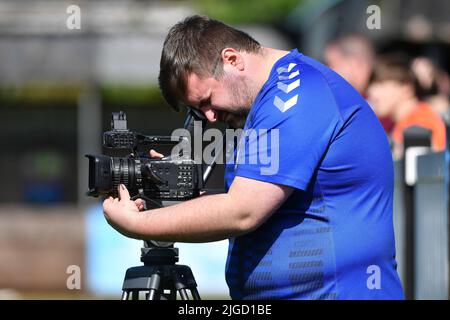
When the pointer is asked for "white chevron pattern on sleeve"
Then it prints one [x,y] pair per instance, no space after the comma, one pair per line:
[285,105]
[282,105]
[286,69]
[290,76]
[286,88]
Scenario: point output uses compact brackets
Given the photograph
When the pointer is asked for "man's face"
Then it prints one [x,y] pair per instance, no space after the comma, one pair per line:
[356,70]
[338,62]
[384,96]
[227,99]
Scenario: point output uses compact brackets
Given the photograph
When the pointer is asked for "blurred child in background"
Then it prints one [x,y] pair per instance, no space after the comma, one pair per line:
[393,93]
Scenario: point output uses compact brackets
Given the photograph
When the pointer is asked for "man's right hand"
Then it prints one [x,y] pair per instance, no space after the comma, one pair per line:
[154,154]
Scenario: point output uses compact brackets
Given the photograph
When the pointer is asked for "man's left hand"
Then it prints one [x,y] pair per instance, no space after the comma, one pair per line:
[122,213]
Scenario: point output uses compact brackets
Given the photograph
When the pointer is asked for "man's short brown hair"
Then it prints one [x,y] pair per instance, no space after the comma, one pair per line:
[194,45]
[395,67]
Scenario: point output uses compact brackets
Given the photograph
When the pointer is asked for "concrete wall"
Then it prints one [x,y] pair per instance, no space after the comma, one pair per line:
[37,245]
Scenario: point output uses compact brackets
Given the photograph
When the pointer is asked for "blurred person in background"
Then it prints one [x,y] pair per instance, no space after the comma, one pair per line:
[434,85]
[352,56]
[394,93]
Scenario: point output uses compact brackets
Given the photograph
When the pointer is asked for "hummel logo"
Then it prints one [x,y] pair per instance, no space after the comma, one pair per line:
[286,88]
[290,76]
[285,105]
[284,69]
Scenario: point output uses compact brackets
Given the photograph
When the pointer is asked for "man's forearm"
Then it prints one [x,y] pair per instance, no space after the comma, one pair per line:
[204,219]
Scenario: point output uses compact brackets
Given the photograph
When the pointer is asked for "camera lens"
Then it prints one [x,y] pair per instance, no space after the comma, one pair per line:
[126,171]
[106,173]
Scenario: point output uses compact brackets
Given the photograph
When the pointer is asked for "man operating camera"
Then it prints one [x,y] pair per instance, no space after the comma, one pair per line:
[320,225]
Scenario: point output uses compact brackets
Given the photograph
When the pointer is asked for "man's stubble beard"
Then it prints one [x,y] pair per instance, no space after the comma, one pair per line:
[242,93]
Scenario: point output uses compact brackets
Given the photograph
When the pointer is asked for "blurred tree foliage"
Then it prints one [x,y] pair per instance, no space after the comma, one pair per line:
[247,11]
[123,95]
[67,95]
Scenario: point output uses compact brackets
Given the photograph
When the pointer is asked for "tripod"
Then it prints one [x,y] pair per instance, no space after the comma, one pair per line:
[160,278]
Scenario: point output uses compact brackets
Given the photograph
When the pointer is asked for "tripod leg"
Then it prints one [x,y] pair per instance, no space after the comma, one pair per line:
[183,294]
[155,284]
[180,285]
[151,294]
[183,281]
[195,294]
[125,295]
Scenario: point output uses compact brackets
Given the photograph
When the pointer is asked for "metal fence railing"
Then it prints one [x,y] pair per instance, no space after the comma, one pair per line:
[422,228]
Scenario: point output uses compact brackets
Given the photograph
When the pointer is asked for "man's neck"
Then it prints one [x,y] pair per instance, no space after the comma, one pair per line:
[267,59]
[405,107]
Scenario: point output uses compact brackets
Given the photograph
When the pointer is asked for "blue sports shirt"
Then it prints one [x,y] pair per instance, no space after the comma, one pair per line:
[333,238]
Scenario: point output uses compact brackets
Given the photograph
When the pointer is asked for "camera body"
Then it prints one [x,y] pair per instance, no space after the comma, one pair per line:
[151,179]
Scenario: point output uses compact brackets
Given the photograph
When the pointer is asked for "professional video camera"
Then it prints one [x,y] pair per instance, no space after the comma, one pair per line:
[154,180]
[160,182]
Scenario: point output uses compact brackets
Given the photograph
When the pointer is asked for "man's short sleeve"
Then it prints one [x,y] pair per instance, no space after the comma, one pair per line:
[290,127]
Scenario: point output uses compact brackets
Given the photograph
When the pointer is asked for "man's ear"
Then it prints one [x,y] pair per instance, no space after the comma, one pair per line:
[232,58]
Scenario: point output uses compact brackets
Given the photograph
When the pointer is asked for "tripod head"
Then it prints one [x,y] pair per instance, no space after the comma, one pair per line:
[159,253]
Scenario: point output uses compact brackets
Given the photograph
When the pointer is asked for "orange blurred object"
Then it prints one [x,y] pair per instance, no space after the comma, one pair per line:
[424,116]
